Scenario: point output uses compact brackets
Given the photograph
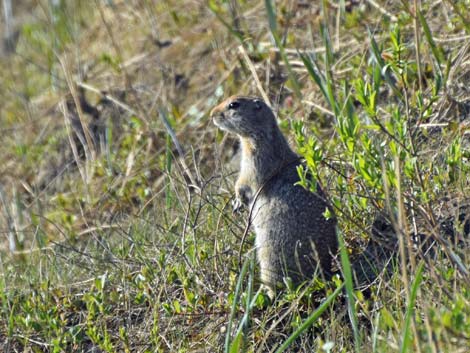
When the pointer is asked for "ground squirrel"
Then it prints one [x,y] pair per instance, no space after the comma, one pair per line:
[292,233]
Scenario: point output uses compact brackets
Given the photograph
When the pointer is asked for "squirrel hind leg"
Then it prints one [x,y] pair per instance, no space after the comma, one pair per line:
[268,281]
[269,291]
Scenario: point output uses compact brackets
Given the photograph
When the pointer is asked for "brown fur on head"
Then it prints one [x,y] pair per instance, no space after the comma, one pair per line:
[244,116]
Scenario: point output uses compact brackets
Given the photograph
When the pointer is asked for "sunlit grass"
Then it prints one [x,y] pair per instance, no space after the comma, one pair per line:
[116,189]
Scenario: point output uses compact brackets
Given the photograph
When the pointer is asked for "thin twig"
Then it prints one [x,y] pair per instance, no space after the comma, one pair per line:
[255,75]
[319,107]
[89,146]
[417,44]
[179,148]
[381,9]
[106,96]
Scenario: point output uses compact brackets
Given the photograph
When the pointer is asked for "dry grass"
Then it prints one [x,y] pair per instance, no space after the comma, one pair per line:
[115,188]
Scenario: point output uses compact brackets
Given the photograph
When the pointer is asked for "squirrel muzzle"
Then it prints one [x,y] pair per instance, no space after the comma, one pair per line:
[217,114]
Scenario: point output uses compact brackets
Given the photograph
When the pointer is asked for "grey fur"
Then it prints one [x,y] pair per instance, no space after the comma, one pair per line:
[292,235]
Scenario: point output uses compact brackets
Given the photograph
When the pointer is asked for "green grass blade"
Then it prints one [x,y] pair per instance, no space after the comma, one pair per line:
[377,55]
[308,63]
[238,342]
[348,281]
[320,81]
[236,345]
[273,28]
[244,324]
[310,320]
[325,34]
[237,34]
[436,51]
[234,305]
[271,16]
[329,81]
[410,308]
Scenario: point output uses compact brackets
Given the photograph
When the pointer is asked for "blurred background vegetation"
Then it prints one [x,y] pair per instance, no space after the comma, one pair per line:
[115,187]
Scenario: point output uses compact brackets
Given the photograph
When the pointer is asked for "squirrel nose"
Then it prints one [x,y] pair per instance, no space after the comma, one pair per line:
[218,111]
[213,112]
[217,118]
[217,114]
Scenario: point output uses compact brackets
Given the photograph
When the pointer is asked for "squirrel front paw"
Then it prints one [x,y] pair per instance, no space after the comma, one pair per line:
[243,197]
[237,205]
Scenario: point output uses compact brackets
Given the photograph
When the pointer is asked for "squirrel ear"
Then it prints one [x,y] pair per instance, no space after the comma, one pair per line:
[257,104]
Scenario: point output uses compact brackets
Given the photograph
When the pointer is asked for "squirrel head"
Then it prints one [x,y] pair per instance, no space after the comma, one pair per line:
[244,116]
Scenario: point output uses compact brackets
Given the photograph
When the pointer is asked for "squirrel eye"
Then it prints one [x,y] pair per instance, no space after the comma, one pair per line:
[233,105]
